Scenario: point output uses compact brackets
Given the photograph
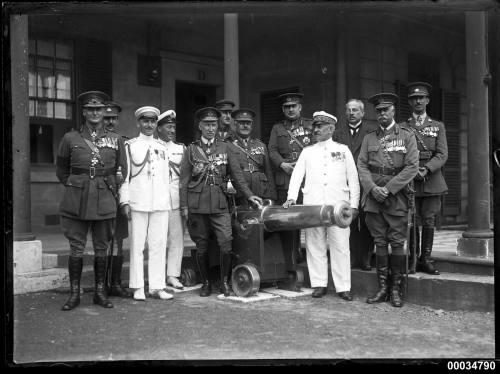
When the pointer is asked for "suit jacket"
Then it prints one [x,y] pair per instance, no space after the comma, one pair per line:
[433,148]
[343,135]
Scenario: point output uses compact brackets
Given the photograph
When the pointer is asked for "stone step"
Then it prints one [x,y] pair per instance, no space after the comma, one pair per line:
[451,263]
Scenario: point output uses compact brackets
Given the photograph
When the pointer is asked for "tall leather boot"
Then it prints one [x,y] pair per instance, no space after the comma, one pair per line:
[225,267]
[397,271]
[116,288]
[414,238]
[425,264]
[75,265]
[100,297]
[202,263]
[383,275]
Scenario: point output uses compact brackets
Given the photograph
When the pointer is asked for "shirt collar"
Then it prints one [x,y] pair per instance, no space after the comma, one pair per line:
[388,128]
[354,126]
[148,138]
[325,143]
[423,116]
[206,141]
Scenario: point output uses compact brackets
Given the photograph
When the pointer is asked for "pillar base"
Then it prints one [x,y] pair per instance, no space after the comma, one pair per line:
[27,256]
[475,247]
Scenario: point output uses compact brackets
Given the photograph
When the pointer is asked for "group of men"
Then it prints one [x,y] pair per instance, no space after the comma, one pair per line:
[155,187]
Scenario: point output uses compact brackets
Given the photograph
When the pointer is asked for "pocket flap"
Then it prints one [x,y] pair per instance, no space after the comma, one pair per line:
[194,186]
[373,148]
[76,181]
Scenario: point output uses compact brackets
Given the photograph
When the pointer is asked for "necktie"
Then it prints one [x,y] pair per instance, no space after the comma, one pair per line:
[353,130]
[419,120]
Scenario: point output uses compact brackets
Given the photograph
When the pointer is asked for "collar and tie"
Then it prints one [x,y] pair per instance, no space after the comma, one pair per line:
[419,120]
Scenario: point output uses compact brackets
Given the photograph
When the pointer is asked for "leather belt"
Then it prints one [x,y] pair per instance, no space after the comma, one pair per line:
[252,169]
[93,172]
[384,170]
[425,155]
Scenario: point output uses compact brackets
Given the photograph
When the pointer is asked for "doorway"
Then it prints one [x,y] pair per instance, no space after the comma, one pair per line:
[189,97]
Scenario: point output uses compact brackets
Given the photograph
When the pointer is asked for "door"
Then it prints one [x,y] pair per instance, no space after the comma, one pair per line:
[189,97]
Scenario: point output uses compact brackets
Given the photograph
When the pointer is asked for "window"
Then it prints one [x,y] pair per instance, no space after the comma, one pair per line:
[51,97]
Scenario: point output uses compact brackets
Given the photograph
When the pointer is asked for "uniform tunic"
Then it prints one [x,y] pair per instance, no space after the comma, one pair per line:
[330,176]
[282,148]
[433,153]
[89,177]
[387,158]
[254,161]
[146,190]
[175,241]
[204,174]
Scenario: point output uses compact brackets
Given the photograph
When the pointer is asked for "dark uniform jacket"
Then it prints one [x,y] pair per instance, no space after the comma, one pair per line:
[343,135]
[433,153]
[254,161]
[282,148]
[204,177]
[90,179]
[389,160]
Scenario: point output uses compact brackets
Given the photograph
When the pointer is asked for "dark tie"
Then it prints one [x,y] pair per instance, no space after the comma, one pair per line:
[419,120]
[353,130]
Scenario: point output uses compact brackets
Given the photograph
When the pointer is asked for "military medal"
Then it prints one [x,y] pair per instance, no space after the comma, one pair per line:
[306,140]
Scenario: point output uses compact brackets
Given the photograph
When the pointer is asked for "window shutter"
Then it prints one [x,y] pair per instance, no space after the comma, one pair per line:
[270,109]
[451,170]
[403,110]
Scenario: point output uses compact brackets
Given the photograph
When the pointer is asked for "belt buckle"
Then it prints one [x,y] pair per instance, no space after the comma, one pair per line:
[294,156]
[251,168]
[92,172]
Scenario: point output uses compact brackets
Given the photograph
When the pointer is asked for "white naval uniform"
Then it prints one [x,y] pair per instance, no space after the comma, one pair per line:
[330,175]
[145,189]
[176,224]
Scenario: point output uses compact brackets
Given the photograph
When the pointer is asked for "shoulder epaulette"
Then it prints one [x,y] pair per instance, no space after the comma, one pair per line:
[132,140]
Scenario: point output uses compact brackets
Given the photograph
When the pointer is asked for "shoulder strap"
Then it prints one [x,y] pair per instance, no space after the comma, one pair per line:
[295,139]
[244,150]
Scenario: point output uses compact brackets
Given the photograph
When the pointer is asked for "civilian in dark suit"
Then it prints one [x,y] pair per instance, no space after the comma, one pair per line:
[352,134]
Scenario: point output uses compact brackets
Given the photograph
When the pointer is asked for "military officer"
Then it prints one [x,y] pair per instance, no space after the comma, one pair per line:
[253,157]
[429,182]
[145,200]
[203,197]
[87,163]
[330,176]
[286,141]
[115,259]
[226,123]
[352,134]
[176,223]
[387,163]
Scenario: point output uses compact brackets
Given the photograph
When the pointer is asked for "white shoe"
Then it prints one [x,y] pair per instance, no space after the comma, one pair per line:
[139,294]
[160,294]
[175,283]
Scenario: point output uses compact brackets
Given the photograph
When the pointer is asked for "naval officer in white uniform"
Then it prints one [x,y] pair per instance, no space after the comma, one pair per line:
[176,222]
[330,176]
[145,200]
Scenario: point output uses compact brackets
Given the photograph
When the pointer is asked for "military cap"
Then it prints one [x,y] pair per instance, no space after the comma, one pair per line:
[419,89]
[291,98]
[322,117]
[383,100]
[243,114]
[224,104]
[147,111]
[93,99]
[207,114]
[112,109]
[167,117]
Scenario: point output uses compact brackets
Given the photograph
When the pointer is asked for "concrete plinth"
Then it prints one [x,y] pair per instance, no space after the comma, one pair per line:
[27,256]
[475,247]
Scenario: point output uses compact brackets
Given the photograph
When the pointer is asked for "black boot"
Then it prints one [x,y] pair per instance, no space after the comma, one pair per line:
[201,262]
[225,267]
[383,275]
[425,264]
[397,271]
[75,265]
[414,238]
[100,297]
[116,288]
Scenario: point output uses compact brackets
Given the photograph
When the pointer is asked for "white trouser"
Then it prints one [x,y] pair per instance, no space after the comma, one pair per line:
[175,243]
[153,227]
[317,239]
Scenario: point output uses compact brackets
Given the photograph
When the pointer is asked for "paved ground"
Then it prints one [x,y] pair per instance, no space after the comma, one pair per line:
[191,328]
